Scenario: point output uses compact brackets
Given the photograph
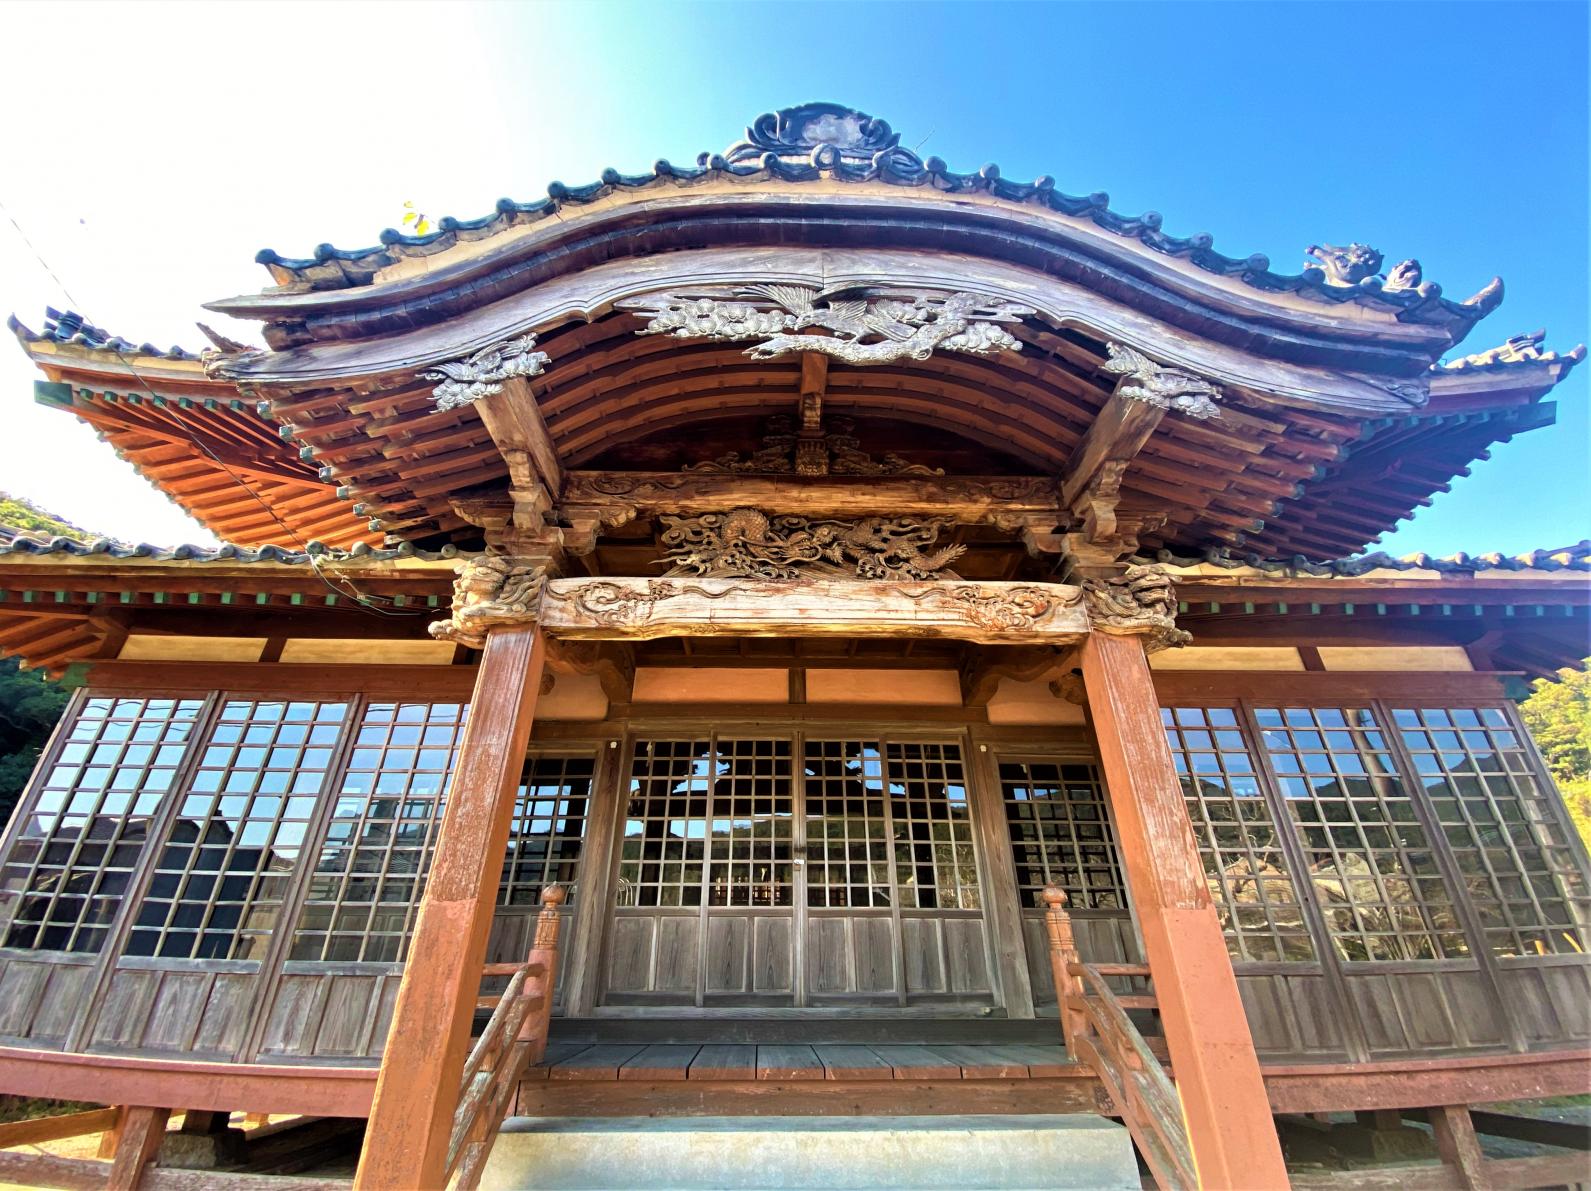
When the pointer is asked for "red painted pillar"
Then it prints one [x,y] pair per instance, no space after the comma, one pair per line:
[418,1088]
[1217,1073]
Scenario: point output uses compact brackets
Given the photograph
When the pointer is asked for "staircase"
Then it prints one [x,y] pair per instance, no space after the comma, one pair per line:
[796,1153]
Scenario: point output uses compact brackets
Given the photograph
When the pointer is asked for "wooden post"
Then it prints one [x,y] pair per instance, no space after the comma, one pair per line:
[417,1091]
[138,1140]
[1212,1052]
[1063,954]
[1458,1146]
[544,949]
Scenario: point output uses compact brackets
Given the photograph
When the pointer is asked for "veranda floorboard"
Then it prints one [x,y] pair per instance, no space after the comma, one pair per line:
[788,1062]
[852,1062]
[725,1062]
[917,1062]
[661,1061]
[982,1062]
[596,1062]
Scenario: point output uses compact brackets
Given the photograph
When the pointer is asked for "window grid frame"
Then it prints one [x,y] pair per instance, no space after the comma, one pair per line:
[513,865]
[1440,873]
[821,851]
[293,879]
[1052,852]
[1239,937]
[358,724]
[1545,796]
[110,946]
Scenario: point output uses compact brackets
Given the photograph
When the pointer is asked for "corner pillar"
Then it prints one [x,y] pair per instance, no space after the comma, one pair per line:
[417,1092]
[1217,1072]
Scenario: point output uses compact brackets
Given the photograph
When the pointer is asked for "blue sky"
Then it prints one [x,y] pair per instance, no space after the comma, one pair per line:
[153,149]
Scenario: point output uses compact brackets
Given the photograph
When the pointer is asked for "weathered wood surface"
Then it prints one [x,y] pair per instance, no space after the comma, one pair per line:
[411,1121]
[966,499]
[1218,1073]
[73,1124]
[139,1136]
[642,609]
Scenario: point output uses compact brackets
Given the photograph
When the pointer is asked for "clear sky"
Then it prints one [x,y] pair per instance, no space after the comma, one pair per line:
[153,149]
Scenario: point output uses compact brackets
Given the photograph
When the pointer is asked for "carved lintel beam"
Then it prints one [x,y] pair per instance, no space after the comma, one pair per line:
[644,609]
[983,669]
[1001,500]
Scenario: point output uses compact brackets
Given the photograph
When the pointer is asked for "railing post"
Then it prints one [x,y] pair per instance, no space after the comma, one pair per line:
[544,949]
[1063,954]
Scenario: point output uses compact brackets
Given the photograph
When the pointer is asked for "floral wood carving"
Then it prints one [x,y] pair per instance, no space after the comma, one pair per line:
[841,455]
[1165,388]
[876,328]
[484,373]
[1139,600]
[744,543]
[491,591]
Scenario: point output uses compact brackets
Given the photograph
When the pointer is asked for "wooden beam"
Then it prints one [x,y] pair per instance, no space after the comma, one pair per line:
[141,1133]
[72,1124]
[514,420]
[417,1091]
[1116,435]
[642,609]
[967,499]
[1212,1052]
[1459,1147]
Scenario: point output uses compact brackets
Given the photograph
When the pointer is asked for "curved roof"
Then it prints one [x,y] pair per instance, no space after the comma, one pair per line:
[825,142]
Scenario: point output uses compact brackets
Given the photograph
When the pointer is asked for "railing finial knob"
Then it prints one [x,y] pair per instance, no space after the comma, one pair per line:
[553,896]
[1054,897]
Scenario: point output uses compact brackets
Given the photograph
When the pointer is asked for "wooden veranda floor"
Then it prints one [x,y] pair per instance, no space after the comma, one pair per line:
[785,1062]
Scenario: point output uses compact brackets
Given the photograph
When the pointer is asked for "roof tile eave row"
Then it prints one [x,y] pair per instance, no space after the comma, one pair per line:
[1570,558]
[334,268]
[24,543]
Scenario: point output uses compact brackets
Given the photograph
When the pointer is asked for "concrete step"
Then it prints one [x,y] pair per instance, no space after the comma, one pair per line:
[992,1153]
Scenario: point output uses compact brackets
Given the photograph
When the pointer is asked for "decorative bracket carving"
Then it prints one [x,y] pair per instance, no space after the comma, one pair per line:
[817,450]
[492,591]
[745,543]
[1139,600]
[1164,388]
[879,327]
[484,373]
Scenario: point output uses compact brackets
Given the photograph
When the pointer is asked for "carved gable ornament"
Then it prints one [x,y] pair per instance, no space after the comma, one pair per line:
[818,130]
[484,373]
[870,327]
[745,543]
[1141,379]
[1141,600]
[491,592]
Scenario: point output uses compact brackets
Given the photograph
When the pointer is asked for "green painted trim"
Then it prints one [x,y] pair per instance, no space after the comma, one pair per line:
[53,392]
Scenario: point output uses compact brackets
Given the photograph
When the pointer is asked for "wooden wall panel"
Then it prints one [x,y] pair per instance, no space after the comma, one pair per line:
[1551,1002]
[63,1003]
[1415,1009]
[654,953]
[1290,1014]
[771,951]
[1101,937]
[728,953]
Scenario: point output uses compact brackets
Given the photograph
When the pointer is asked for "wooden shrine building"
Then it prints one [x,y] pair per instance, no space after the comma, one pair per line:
[815,624]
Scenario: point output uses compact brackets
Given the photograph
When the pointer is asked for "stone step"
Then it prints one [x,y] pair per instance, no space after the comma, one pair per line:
[994,1153]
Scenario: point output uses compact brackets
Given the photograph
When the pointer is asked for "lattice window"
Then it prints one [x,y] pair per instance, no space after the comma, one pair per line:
[752,860]
[665,829]
[365,888]
[1497,812]
[548,829]
[935,867]
[848,843]
[223,872]
[73,858]
[1061,833]
[1244,865]
[1371,864]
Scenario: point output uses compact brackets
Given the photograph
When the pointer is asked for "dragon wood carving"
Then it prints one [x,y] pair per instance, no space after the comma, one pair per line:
[745,543]
[1139,600]
[491,591]
[877,328]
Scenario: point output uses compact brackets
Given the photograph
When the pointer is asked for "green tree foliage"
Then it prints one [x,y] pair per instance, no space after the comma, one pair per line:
[1558,714]
[19,514]
[29,706]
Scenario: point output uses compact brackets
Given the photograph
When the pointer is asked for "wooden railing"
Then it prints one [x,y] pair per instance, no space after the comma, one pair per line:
[1100,1035]
[514,1039]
